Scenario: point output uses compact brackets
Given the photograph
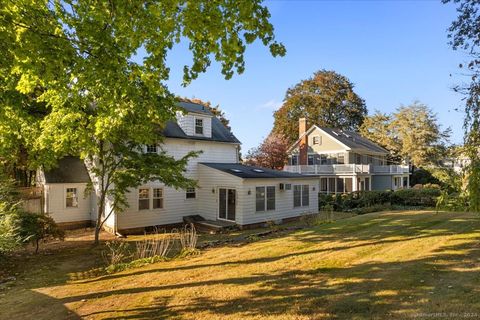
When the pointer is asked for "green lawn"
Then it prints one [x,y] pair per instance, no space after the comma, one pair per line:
[402,264]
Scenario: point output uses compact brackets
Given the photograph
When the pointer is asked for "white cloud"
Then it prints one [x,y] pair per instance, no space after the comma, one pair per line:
[272,105]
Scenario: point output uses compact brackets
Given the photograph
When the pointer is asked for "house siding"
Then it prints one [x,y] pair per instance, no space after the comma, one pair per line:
[55,204]
[283,201]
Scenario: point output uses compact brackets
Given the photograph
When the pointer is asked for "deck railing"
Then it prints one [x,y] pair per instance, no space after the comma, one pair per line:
[347,169]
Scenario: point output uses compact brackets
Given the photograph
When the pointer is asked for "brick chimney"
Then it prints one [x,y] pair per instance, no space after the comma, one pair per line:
[302,127]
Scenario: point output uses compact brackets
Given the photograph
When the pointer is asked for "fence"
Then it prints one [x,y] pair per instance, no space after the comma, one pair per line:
[32,199]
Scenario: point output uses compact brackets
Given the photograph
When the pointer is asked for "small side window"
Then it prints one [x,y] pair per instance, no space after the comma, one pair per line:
[198,126]
[190,193]
[71,198]
[152,148]
[158,198]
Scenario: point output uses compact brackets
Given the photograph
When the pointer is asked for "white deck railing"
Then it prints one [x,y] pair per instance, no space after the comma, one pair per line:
[346,169]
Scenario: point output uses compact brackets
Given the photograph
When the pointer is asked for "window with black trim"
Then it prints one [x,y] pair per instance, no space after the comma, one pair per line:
[301,195]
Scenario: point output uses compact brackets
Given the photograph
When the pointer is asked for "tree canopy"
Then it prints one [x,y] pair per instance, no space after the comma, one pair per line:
[272,152]
[464,33]
[326,99]
[98,68]
[410,133]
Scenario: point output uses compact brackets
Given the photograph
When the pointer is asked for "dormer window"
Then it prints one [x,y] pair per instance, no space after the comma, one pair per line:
[199,126]
[152,148]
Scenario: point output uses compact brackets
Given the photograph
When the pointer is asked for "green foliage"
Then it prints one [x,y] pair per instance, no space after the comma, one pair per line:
[411,133]
[422,176]
[35,227]
[370,201]
[9,208]
[464,34]
[79,60]
[326,99]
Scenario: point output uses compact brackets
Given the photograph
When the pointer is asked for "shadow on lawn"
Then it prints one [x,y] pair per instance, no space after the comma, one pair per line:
[371,290]
[374,289]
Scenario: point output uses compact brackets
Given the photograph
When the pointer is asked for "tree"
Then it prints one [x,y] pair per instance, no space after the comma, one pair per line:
[80,59]
[465,35]
[326,99]
[216,111]
[412,133]
[272,153]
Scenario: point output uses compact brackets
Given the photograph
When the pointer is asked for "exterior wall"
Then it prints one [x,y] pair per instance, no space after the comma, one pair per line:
[187,123]
[175,207]
[209,180]
[175,204]
[327,143]
[217,152]
[381,182]
[283,201]
[55,203]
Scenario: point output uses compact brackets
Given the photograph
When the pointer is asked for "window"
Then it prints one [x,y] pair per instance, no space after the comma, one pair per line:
[71,198]
[323,185]
[340,185]
[331,185]
[190,194]
[158,198]
[311,159]
[293,160]
[264,198]
[271,198]
[341,158]
[143,199]
[152,148]
[301,195]
[198,126]
[297,196]
[323,159]
[305,195]
[317,140]
[259,199]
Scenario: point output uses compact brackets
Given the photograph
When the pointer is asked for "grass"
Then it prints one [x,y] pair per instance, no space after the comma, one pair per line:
[400,265]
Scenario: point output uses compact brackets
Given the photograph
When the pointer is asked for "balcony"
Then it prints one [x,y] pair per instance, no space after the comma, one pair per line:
[347,169]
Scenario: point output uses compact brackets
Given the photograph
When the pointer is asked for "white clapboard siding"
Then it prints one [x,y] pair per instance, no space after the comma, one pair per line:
[283,201]
[187,123]
[210,180]
[217,152]
[55,194]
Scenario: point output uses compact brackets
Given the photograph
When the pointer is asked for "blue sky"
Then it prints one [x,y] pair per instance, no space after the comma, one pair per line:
[394,52]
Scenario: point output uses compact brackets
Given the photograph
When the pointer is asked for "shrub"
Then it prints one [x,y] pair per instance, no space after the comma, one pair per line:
[34,227]
[415,197]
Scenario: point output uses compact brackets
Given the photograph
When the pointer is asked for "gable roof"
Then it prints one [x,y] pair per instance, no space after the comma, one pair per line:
[350,139]
[353,140]
[251,172]
[69,170]
[220,133]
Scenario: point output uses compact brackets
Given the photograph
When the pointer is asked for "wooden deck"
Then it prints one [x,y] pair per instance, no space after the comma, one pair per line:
[211,226]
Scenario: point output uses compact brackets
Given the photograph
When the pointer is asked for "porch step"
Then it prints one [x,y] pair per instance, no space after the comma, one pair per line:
[211,226]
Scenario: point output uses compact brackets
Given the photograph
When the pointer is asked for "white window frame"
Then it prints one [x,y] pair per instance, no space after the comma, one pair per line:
[195,126]
[266,198]
[156,197]
[188,192]
[151,148]
[74,198]
[148,198]
[304,188]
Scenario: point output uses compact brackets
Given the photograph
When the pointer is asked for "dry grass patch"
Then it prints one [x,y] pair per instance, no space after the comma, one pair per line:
[375,266]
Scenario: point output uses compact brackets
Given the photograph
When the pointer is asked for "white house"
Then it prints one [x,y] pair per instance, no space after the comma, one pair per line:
[227,190]
[344,161]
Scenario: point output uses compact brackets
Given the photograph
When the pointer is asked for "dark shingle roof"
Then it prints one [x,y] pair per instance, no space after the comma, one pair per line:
[249,172]
[354,140]
[219,132]
[69,170]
